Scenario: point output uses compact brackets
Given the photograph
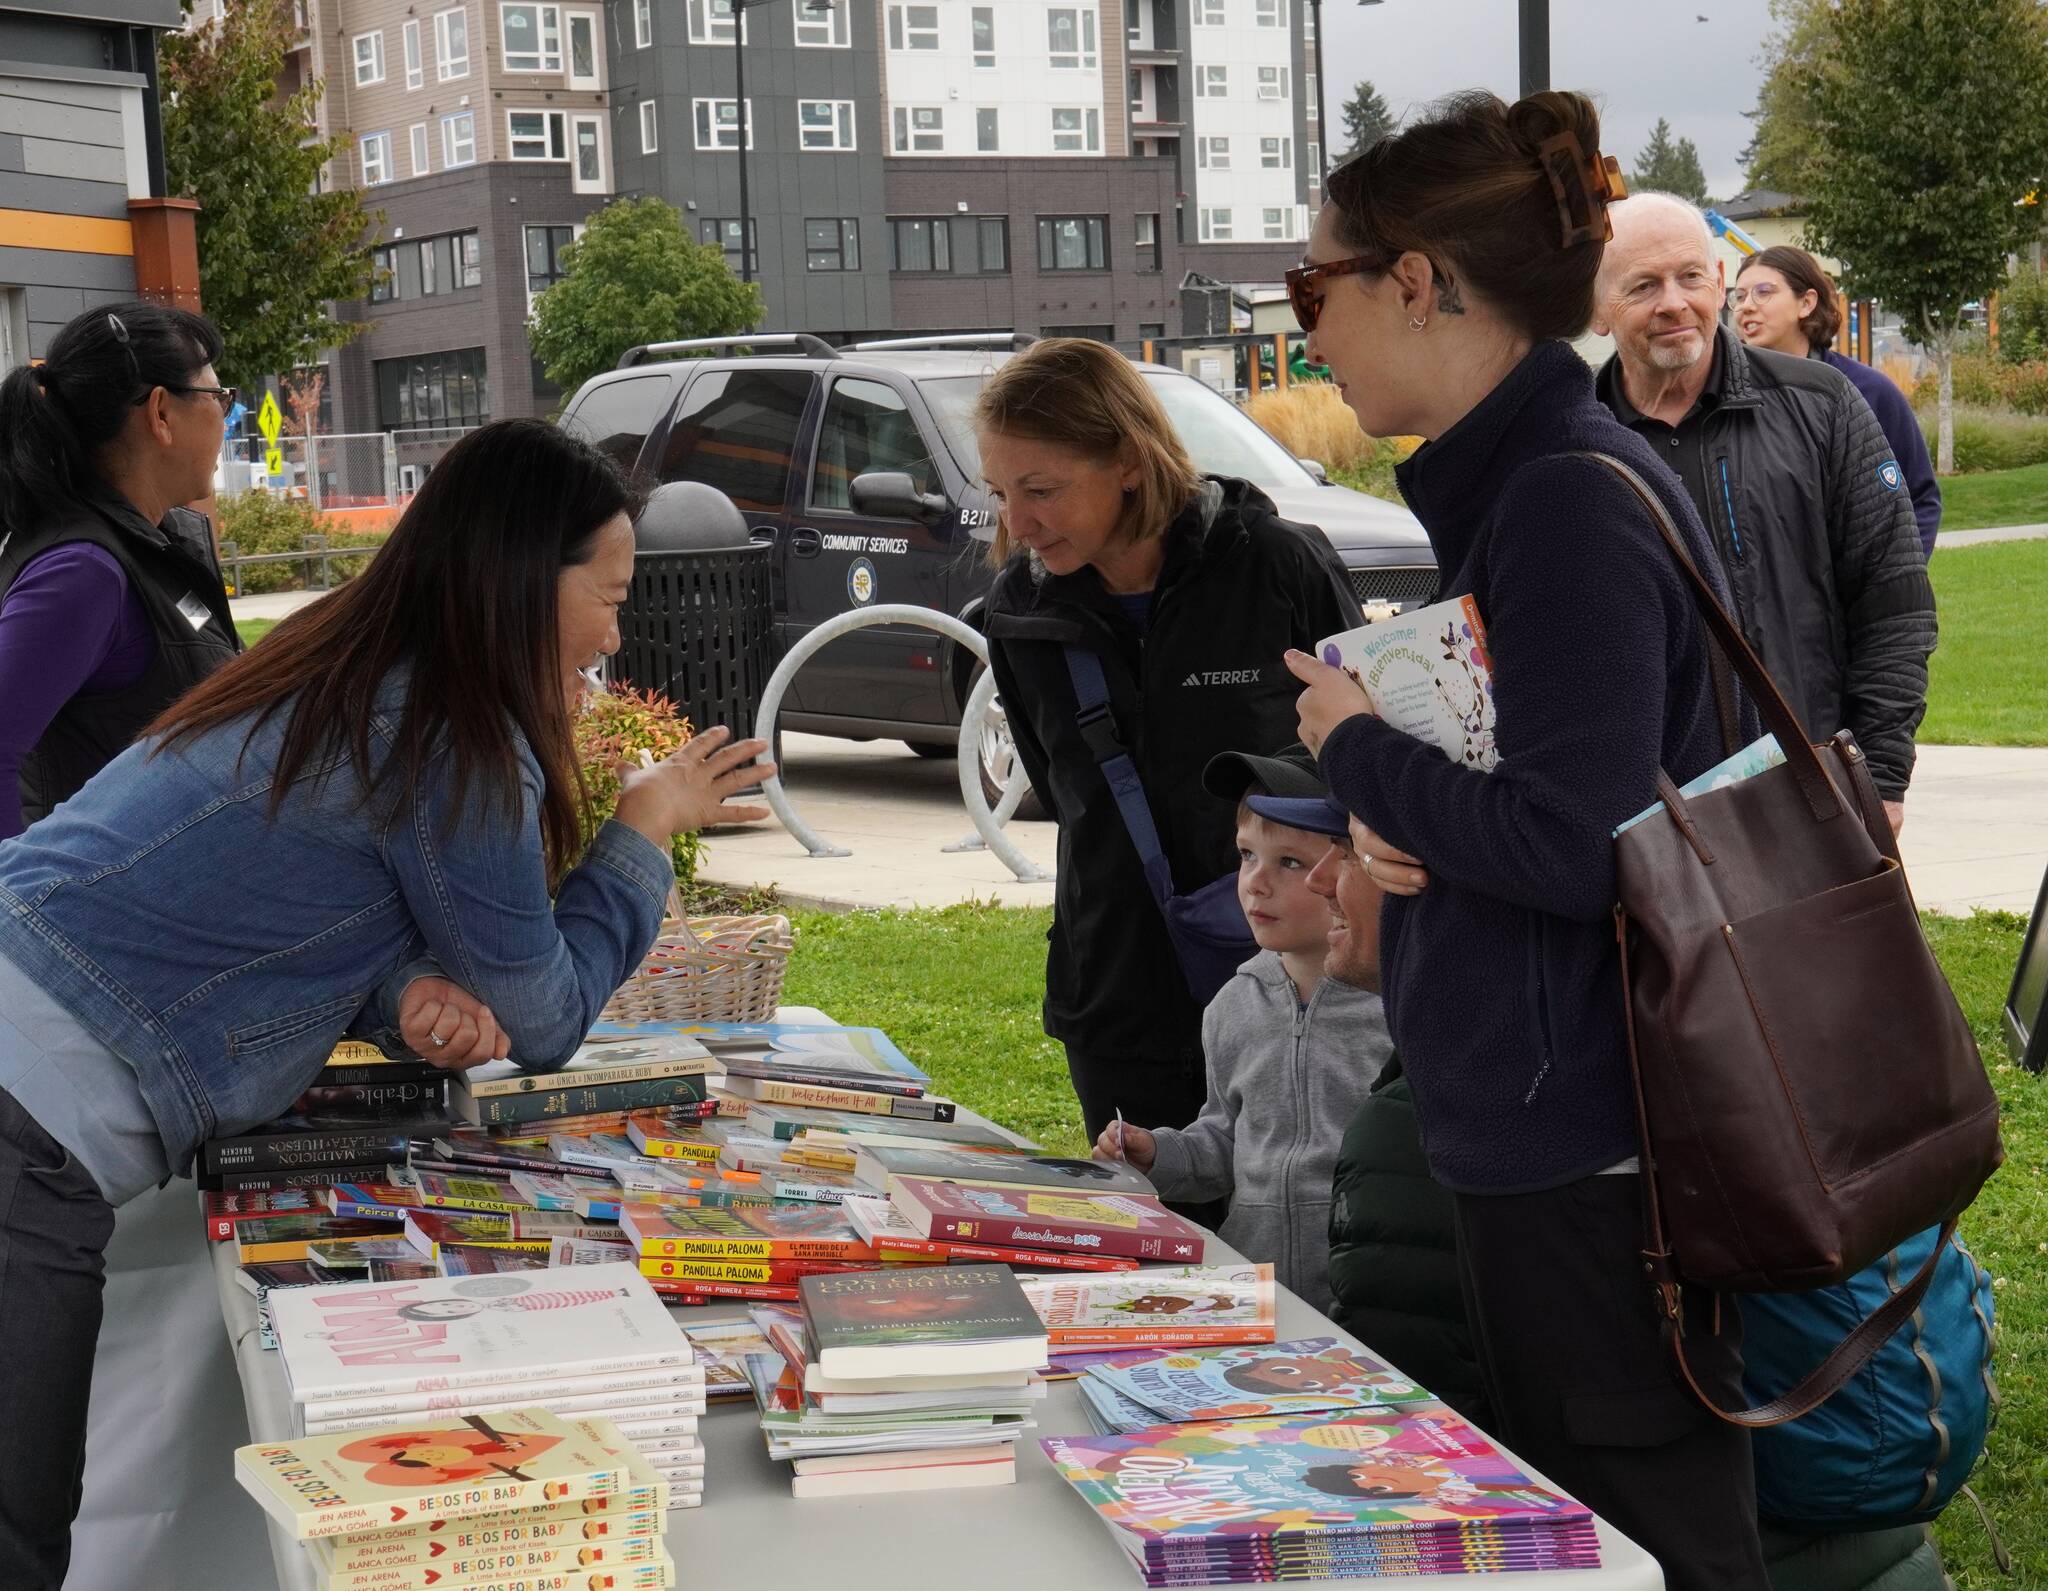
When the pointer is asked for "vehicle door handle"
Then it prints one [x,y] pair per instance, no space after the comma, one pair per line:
[805,542]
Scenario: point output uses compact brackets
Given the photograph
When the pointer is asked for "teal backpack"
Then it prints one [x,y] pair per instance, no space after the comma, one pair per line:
[1900,1439]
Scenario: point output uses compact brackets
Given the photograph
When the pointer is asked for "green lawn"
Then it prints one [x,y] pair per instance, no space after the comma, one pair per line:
[959,990]
[1988,679]
[1996,497]
[254,630]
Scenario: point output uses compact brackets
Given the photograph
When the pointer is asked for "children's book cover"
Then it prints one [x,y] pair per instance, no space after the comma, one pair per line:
[909,1308]
[1307,1376]
[849,1049]
[1132,1224]
[748,1231]
[1188,1305]
[1427,672]
[876,1166]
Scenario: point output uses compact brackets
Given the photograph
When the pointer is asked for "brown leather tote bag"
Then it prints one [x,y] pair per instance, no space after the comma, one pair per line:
[1808,1091]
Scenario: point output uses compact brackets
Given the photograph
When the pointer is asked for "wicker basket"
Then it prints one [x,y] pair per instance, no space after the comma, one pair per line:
[708,969]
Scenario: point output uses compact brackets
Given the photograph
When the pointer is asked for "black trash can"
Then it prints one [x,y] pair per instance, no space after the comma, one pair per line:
[699,629]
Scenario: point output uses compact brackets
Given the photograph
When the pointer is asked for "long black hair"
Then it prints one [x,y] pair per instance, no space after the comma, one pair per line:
[56,417]
[464,591]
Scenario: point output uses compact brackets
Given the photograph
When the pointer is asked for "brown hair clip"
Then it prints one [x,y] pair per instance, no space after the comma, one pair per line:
[1584,188]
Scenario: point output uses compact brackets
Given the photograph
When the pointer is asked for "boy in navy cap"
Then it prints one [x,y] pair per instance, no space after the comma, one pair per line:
[1291,1052]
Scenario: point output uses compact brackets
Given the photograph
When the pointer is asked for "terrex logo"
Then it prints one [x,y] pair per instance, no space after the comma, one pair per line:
[1223,676]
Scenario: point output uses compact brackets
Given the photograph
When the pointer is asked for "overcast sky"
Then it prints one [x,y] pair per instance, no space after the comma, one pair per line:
[1639,59]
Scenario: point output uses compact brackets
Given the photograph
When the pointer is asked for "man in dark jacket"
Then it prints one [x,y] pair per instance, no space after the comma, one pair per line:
[1794,479]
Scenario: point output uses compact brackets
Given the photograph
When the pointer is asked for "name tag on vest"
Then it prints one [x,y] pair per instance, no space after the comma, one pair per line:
[196,611]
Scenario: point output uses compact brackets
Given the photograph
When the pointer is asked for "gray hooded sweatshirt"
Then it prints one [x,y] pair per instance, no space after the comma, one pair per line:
[1284,1080]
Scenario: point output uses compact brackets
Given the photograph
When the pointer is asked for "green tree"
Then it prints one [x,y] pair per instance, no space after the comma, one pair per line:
[1931,129]
[274,254]
[1366,119]
[635,277]
[1781,149]
[1668,166]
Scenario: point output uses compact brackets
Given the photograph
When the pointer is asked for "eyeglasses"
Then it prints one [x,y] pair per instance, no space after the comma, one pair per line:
[1762,294]
[1305,290]
[224,396]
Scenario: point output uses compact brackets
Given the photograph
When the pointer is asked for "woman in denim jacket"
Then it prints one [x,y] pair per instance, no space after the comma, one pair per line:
[366,828]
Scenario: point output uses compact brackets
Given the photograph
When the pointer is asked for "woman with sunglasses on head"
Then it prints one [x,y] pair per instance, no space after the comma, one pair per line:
[111,604]
[1782,299]
[1449,267]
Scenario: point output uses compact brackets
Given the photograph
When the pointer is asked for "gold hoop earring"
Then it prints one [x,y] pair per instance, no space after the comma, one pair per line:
[1417,323]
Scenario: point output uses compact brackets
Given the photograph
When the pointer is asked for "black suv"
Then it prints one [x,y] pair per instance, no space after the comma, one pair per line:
[859,465]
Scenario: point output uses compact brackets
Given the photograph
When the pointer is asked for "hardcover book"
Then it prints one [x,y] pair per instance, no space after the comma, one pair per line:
[841,1048]
[1186,1306]
[1308,1376]
[794,1091]
[1428,673]
[937,1320]
[561,1104]
[666,1055]
[758,1231]
[874,1167]
[226,1211]
[897,1241]
[1134,1225]
[292,1144]
[290,1237]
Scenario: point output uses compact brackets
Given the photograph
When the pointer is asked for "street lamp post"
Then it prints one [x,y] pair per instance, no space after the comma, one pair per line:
[1534,47]
[740,8]
[1315,9]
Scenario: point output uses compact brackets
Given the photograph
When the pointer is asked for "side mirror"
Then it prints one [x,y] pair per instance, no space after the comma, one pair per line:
[1315,468]
[892,494]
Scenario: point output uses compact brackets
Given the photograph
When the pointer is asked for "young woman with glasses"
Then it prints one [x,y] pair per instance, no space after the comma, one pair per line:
[111,603]
[1446,274]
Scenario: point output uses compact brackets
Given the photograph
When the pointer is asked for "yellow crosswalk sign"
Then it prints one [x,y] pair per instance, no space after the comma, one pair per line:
[273,461]
[269,421]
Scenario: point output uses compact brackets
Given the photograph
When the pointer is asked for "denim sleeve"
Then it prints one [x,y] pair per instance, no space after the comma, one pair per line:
[478,890]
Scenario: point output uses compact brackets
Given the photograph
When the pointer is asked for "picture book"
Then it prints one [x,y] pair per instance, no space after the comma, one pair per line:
[443,1545]
[842,1048]
[721,1347]
[756,1231]
[426,1469]
[364,1338]
[429,1231]
[1307,1376]
[1134,1225]
[481,1568]
[1188,1306]
[487,1261]
[652,1056]
[1747,763]
[896,1240]
[1113,1414]
[226,1211]
[1428,673]
[937,1320]
[875,1166]
[439,1191]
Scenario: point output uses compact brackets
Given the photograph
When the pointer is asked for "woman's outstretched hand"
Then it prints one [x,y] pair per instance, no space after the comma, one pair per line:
[449,1026]
[694,787]
[1330,697]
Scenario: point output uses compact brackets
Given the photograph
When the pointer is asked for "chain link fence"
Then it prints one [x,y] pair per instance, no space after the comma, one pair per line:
[326,473]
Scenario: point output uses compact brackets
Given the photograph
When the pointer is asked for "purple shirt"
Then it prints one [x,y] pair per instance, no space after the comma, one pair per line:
[70,625]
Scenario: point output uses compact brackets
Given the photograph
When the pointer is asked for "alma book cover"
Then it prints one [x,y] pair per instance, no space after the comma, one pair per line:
[1186,1306]
[1135,1225]
[1309,1376]
[1428,673]
[940,1318]
[424,1469]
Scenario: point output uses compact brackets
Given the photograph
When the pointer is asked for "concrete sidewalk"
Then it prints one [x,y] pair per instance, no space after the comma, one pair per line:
[1976,832]
[1974,538]
[272,605]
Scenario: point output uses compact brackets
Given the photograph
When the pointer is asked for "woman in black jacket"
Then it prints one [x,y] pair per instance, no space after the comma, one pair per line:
[1187,590]
[1445,276]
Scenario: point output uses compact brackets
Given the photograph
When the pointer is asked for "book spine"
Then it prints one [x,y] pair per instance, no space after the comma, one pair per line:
[1051,1237]
[473,1201]
[753,1248]
[382,1099]
[1157,1336]
[783,1271]
[710,1292]
[648,1385]
[445,1379]
[368,1210]
[466,1162]
[809,1192]
[292,1181]
[458,1502]
[350,1075]
[824,1077]
[460,1569]
[304,1151]
[585,1077]
[988,1254]
[486,1401]
[659,1148]
[560,1103]
[872,1103]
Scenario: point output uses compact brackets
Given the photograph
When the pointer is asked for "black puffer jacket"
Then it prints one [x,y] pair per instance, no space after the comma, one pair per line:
[1815,528]
[1240,586]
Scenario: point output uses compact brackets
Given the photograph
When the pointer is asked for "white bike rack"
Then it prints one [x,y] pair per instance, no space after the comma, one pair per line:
[987,824]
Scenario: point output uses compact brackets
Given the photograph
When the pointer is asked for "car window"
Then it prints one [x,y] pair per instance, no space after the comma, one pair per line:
[867,427]
[737,431]
[1217,434]
[616,416]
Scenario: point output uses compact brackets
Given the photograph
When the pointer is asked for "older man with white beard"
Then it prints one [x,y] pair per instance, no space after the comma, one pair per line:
[1793,478]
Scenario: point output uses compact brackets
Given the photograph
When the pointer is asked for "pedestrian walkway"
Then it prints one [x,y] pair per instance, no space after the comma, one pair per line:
[1973,538]
[272,605]
[1976,832]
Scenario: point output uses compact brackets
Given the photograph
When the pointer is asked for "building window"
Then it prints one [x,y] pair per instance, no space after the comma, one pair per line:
[1070,38]
[419,149]
[983,20]
[415,68]
[538,134]
[1309,102]
[1270,13]
[533,37]
[1098,333]
[426,267]
[1276,154]
[1212,154]
[1145,244]
[369,59]
[987,130]
[432,391]
[451,44]
[643,23]
[711,21]
[1212,82]
[433,266]
[1209,13]
[913,27]
[1272,82]
[718,123]
[1276,225]
[1073,243]
[920,129]
[723,233]
[1216,226]
[1076,130]
[458,139]
[832,245]
[384,275]
[824,123]
[1152,331]
[544,246]
[1315,164]
[823,30]
[992,235]
[469,251]
[586,138]
[649,132]
[920,245]
[375,154]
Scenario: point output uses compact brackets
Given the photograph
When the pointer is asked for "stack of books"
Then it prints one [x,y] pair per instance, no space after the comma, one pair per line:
[1133,1392]
[746,1251]
[1164,1307]
[520,1500]
[915,1380]
[591,1341]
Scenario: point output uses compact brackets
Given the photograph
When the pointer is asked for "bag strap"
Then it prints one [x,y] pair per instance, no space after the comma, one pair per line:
[1098,729]
[1850,1355]
[1822,798]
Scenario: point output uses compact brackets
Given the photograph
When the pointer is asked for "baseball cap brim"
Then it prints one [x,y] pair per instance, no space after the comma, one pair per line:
[1291,771]
[1317,814]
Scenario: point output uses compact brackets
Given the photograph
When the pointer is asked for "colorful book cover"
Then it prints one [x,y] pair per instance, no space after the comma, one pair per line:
[1308,1376]
[490,1195]
[361,1338]
[1189,1306]
[809,1186]
[754,1231]
[1131,1224]
[356,1255]
[1747,763]
[877,1165]
[226,1211]
[671,1138]
[407,1270]
[907,1312]
[721,1349]
[1429,674]
[290,1237]
[788,1272]
[834,1096]
[1366,1471]
[426,1469]
[371,1200]
[488,1261]
[431,1231]
[483,1567]
[1111,1413]
[843,1048]
[587,1251]
[653,1056]
[447,1544]
[897,1241]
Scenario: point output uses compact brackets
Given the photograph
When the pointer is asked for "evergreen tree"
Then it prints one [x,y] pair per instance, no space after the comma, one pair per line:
[1366,120]
[1670,166]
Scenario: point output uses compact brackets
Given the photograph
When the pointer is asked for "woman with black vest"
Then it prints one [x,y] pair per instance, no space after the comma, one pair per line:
[111,604]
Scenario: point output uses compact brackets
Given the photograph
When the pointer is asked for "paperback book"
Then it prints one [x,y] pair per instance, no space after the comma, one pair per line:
[305,1179]
[759,1232]
[290,1237]
[593,1065]
[936,1320]
[1428,673]
[1308,1376]
[487,1261]
[788,1121]
[226,1211]
[1134,1225]
[489,1195]
[1187,1306]
[671,1138]
[874,1167]
[593,1099]
[292,1144]
[895,1240]
[721,1350]
[840,1048]
[874,1102]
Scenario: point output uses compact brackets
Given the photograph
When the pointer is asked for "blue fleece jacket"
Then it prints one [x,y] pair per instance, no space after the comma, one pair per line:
[1502,985]
[1901,427]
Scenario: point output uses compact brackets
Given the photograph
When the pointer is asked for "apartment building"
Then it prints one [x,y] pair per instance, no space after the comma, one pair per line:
[83,217]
